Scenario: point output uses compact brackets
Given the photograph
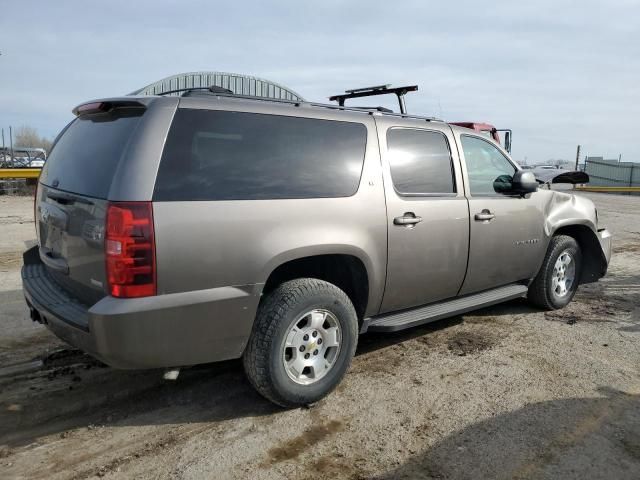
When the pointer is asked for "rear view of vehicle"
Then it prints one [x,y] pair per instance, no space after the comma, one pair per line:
[171,228]
[89,248]
[72,209]
[93,277]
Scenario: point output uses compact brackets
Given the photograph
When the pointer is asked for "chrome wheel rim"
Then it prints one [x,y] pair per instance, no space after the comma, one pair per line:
[311,346]
[564,273]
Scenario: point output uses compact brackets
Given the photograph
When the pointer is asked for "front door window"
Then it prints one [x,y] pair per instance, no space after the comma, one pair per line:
[489,171]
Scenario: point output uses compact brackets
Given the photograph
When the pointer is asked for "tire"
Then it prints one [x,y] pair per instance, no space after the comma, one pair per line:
[273,368]
[543,291]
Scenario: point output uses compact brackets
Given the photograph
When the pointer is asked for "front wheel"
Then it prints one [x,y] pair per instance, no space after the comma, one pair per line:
[558,278]
[302,343]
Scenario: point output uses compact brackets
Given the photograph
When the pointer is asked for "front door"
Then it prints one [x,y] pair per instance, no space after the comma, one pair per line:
[506,230]
[427,214]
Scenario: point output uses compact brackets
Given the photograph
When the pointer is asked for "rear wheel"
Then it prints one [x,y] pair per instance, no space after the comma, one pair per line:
[303,340]
[557,281]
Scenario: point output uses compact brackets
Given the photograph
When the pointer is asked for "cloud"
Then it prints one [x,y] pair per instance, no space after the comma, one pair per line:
[557,73]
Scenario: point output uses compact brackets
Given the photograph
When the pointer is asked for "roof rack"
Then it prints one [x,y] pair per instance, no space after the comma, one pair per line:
[219,92]
[400,92]
[373,109]
[212,89]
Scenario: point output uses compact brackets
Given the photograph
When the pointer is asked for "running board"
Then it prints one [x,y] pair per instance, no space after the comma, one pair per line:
[392,322]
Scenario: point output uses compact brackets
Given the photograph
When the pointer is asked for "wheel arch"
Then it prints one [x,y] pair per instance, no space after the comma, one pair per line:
[347,271]
[593,259]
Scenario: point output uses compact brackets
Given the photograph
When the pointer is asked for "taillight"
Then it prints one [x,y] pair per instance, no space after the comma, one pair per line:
[130,249]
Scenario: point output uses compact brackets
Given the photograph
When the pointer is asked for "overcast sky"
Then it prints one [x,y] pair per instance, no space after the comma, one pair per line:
[558,73]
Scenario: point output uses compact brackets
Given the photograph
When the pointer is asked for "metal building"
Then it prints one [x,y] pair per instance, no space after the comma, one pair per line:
[238,84]
[612,173]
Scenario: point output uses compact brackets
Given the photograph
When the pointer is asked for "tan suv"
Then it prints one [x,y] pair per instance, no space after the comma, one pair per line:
[174,231]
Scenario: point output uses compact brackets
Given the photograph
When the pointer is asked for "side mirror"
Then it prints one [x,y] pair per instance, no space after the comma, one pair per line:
[524,182]
[507,140]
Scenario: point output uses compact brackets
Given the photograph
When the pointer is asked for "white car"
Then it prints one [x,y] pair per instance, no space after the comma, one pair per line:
[37,163]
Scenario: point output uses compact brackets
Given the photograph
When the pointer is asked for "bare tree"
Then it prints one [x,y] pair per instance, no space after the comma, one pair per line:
[27,136]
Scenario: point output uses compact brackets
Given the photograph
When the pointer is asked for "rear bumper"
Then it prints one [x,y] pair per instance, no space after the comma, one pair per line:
[152,332]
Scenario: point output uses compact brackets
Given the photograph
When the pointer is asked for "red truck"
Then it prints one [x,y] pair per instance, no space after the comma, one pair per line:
[490,131]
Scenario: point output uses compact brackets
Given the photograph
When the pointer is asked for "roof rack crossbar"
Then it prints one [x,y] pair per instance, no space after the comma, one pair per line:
[400,92]
[365,89]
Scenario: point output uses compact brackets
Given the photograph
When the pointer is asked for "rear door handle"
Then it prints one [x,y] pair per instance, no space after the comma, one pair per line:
[408,218]
[484,216]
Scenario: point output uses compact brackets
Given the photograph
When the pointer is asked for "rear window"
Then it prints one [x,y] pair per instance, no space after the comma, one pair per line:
[85,157]
[217,155]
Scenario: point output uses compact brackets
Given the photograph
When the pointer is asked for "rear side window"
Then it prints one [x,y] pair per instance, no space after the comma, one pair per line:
[218,155]
[420,162]
[86,156]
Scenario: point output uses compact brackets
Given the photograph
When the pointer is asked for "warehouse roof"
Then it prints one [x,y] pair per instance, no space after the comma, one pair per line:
[237,83]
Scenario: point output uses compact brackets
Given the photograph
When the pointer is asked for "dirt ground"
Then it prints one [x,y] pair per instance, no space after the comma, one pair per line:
[505,392]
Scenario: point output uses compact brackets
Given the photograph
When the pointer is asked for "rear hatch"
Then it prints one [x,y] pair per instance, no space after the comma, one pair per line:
[71,201]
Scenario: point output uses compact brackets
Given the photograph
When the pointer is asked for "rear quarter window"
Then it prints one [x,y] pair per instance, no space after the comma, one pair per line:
[86,155]
[219,155]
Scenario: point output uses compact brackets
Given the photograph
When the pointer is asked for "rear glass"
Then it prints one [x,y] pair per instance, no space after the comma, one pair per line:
[217,155]
[86,156]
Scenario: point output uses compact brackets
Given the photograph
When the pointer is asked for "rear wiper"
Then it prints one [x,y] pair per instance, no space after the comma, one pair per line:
[66,199]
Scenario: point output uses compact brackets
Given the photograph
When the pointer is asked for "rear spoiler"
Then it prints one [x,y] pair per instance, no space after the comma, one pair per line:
[105,106]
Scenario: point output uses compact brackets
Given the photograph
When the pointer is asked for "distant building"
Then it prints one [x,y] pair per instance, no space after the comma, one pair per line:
[612,161]
[238,84]
[612,173]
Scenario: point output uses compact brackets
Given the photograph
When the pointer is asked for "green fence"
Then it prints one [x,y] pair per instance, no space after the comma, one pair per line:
[613,174]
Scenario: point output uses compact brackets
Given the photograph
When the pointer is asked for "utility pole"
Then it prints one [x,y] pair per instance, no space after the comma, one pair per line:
[3,139]
[11,142]
[577,160]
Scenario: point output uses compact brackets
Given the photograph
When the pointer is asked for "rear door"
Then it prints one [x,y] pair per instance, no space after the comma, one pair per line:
[427,214]
[72,199]
[506,230]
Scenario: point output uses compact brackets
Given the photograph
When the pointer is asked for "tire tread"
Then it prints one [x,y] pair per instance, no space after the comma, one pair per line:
[539,293]
[271,313]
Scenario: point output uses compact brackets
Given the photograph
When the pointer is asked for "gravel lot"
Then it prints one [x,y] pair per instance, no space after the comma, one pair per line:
[507,392]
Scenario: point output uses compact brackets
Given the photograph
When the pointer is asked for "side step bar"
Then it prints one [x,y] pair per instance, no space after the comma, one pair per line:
[394,321]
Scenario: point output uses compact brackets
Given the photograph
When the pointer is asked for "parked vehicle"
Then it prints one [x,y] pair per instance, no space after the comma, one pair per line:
[175,231]
[22,157]
[489,131]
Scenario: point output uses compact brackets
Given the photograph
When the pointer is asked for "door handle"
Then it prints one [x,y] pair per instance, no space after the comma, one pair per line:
[407,219]
[484,216]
